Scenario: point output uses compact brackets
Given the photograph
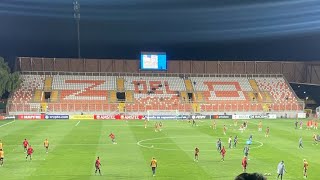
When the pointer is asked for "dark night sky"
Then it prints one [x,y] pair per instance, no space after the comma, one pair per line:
[185,29]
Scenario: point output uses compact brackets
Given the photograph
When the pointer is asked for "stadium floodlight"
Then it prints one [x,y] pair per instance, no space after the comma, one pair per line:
[76,8]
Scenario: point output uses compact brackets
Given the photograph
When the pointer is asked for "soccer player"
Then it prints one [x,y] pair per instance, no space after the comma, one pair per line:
[235,122]
[244,125]
[246,150]
[219,145]
[296,124]
[305,168]
[235,141]
[316,124]
[46,145]
[25,145]
[153,166]
[29,152]
[224,129]
[250,137]
[241,128]
[145,123]
[315,138]
[281,170]
[1,157]
[301,123]
[97,165]
[160,126]
[196,154]
[244,164]
[1,145]
[214,125]
[223,153]
[113,137]
[300,143]
[156,127]
[267,132]
[193,122]
[230,142]
[260,126]
[308,125]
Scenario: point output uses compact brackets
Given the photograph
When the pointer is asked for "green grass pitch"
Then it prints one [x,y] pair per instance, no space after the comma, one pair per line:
[73,150]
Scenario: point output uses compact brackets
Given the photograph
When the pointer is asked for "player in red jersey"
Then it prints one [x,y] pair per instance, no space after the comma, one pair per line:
[309,124]
[29,152]
[97,165]
[113,137]
[25,144]
[196,154]
[315,124]
[223,153]
[244,163]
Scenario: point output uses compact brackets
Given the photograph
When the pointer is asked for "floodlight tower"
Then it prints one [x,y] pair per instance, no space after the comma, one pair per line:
[76,8]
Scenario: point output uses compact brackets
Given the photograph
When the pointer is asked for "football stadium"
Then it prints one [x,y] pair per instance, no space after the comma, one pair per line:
[155,117]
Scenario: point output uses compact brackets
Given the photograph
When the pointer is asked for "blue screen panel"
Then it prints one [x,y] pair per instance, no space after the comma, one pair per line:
[153,61]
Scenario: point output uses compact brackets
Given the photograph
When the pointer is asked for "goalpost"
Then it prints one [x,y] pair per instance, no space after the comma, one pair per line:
[162,114]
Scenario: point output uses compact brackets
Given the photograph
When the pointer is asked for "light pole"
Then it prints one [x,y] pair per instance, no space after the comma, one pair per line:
[76,8]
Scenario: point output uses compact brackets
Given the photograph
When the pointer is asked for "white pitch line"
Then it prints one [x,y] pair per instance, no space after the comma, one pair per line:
[77,123]
[145,145]
[7,123]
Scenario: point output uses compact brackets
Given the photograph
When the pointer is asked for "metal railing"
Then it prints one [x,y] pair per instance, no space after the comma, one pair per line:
[147,74]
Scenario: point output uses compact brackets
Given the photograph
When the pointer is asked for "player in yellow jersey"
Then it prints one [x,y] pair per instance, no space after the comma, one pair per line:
[145,123]
[46,145]
[305,168]
[1,157]
[153,165]
[1,147]
[260,126]
[214,124]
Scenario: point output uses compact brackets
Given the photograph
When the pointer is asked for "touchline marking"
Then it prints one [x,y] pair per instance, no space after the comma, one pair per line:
[77,123]
[41,145]
[139,143]
[7,123]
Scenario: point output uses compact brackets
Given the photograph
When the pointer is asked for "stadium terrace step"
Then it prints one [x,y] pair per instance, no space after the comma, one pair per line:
[254,85]
[48,84]
[113,96]
[37,96]
[120,84]
[196,107]
[198,97]
[122,107]
[129,97]
[54,96]
[184,97]
[43,107]
[188,84]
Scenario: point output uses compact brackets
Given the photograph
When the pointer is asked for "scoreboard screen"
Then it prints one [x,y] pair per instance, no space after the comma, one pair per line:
[153,61]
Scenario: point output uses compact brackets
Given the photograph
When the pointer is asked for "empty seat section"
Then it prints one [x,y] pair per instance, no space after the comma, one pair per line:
[78,93]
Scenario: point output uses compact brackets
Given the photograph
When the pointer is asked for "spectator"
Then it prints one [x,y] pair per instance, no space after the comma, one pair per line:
[250,176]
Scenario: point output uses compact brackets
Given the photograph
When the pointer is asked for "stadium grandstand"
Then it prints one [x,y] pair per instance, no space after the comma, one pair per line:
[73,86]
